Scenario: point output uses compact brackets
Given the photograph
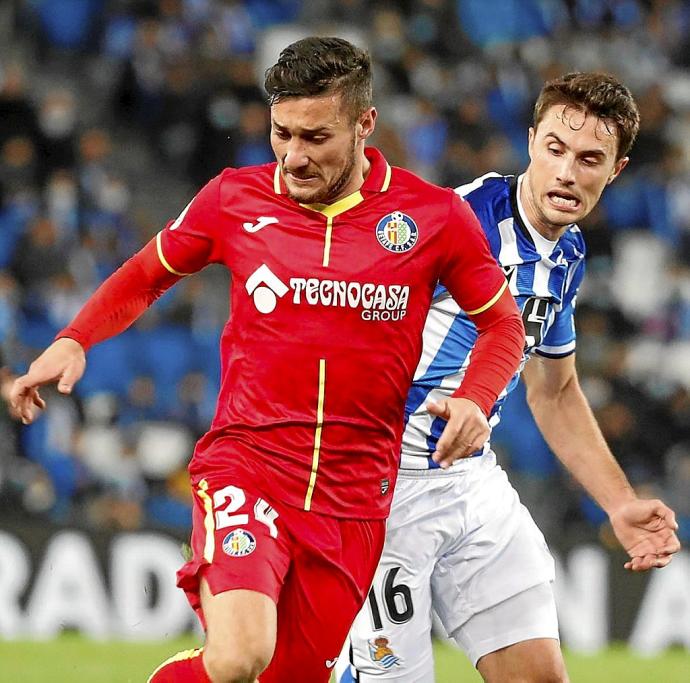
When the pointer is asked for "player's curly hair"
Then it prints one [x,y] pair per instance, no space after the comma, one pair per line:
[596,93]
[317,66]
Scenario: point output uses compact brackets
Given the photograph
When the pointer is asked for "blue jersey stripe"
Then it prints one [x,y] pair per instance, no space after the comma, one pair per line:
[449,359]
[525,277]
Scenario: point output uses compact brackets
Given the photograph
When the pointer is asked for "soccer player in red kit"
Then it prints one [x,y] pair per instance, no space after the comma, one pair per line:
[334,257]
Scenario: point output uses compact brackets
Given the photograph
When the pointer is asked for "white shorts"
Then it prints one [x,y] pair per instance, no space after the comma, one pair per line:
[462,544]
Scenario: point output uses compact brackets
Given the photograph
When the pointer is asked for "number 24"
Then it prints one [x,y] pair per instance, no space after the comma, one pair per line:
[263,512]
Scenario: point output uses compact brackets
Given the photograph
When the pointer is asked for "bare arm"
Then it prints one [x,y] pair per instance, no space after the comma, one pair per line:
[186,246]
[564,417]
[115,305]
[645,528]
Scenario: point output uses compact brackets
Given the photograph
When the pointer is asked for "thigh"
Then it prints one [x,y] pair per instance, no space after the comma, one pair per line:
[514,636]
[323,592]
[537,661]
[390,640]
[240,627]
[502,553]
[239,542]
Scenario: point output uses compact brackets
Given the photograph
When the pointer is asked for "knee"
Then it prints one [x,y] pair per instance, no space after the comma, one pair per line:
[232,665]
[550,670]
[556,675]
[548,673]
[550,677]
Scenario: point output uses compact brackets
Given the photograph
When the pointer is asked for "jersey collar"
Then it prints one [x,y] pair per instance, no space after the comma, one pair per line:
[516,209]
[543,245]
[379,177]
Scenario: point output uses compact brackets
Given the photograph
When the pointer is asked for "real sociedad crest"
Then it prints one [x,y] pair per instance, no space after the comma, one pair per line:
[382,654]
[397,232]
[239,543]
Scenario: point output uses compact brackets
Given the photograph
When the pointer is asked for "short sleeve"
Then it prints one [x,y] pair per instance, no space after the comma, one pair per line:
[559,341]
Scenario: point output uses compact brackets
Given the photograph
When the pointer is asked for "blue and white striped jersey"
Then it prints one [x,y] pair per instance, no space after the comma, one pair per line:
[543,276]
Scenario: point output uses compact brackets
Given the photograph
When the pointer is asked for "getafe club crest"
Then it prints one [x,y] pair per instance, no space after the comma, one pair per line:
[239,543]
[397,232]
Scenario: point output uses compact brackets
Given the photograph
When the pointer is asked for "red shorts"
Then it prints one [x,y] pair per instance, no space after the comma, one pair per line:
[240,540]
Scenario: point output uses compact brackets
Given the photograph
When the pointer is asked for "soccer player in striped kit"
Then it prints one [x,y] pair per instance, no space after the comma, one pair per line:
[458,538]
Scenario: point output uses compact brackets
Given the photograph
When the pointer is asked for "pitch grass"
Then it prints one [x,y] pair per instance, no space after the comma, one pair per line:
[73,659]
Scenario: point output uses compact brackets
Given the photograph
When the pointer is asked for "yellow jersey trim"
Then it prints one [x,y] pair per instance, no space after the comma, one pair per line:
[387,179]
[335,209]
[180,656]
[331,211]
[317,435]
[327,242]
[209,524]
[276,180]
[490,302]
[163,260]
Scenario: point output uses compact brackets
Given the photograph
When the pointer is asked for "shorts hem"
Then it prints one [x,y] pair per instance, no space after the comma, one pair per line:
[465,615]
[490,645]
[530,615]
[189,580]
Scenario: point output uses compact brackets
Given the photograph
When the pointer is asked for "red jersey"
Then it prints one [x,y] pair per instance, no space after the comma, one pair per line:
[328,303]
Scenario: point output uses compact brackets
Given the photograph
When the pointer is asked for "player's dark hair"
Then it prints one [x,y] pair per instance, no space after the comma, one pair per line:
[596,93]
[320,66]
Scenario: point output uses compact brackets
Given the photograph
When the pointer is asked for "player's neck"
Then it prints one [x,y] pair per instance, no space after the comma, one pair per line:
[359,174]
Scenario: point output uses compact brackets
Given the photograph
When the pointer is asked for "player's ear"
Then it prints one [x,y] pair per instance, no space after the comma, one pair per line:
[530,139]
[617,168]
[366,123]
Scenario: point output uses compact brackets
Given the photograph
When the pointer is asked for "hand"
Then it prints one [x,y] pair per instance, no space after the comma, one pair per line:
[646,529]
[466,432]
[63,362]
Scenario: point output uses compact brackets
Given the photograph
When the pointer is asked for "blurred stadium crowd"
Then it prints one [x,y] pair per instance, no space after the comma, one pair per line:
[112,113]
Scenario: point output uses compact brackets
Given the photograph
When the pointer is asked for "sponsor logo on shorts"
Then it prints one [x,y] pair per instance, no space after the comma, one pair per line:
[330,663]
[385,485]
[382,654]
[397,232]
[239,543]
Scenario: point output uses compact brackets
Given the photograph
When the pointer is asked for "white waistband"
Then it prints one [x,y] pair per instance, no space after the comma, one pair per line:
[418,466]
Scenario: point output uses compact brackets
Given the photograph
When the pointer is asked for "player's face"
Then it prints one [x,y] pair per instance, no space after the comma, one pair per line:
[572,159]
[319,149]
